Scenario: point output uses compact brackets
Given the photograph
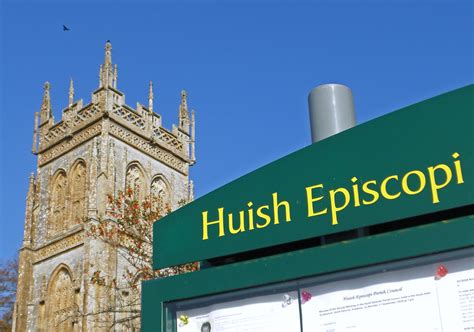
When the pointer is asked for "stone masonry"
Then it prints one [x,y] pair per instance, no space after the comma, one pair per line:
[94,150]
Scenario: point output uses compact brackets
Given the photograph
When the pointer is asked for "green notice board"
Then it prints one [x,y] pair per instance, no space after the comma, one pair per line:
[158,295]
[414,161]
[412,165]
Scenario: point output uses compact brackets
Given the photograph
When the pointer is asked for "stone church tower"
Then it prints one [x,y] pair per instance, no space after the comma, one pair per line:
[94,150]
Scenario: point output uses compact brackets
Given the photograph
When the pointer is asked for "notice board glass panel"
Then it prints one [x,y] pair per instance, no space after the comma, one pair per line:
[266,313]
[432,297]
[430,293]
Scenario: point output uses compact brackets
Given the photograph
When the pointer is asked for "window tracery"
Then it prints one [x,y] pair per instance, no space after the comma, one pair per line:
[135,181]
[160,194]
[58,203]
[59,304]
[78,192]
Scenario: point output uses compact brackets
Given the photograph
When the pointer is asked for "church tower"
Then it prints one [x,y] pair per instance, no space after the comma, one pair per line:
[95,149]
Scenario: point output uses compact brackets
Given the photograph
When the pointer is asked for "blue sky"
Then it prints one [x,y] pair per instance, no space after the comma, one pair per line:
[247,67]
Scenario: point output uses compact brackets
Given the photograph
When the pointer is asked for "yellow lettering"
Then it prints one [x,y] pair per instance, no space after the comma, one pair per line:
[335,209]
[276,205]
[436,186]
[310,199]
[383,188]
[355,190]
[367,190]
[264,216]
[249,204]
[206,223]
[407,189]
[241,228]
[457,166]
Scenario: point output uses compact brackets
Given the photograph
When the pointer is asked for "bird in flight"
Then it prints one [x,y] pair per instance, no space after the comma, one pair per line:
[65,28]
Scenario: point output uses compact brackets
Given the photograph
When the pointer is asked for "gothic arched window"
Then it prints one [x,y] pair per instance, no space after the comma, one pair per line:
[58,203]
[135,181]
[160,194]
[78,192]
[59,303]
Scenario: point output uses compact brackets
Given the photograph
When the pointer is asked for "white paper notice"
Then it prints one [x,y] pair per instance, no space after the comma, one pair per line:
[456,296]
[270,313]
[406,300]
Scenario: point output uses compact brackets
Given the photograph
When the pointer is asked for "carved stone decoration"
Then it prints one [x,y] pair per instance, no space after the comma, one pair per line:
[43,289]
[59,302]
[78,193]
[135,181]
[150,149]
[57,247]
[160,193]
[57,222]
[129,116]
[163,136]
[54,134]
[190,187]
[62,148]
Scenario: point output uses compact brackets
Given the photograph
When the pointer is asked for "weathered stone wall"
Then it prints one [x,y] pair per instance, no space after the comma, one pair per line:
[45,175]
[92,152]
[43,272]
[126,155]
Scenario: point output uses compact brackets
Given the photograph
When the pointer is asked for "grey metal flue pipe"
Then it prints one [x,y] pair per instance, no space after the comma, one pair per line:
[331,110]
